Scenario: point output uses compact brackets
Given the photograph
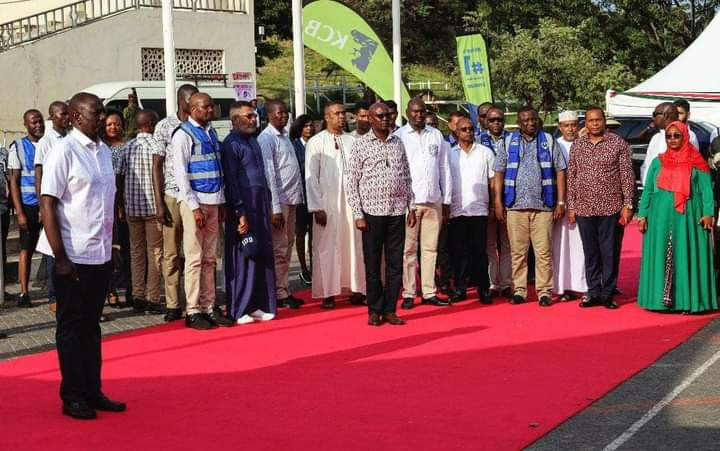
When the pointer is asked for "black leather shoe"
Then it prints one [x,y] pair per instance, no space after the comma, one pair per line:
[358,299]
[393,319]
[545,301]
[198,322]
[3,335]
[374,320]
[484,297]
[290,302]
[436,301]
[507,293]
[296,300]
[218,319]
[155,308]
[173,314]
[139,305]
[78,410]
[517,299]
[457,296]
[610,304]
[24,301]
[328,303]
[407,303]
[105,404]
[589,301]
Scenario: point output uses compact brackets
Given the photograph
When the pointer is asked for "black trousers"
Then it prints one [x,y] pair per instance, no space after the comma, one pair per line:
[468,254]
[385,233]
[79,306]
[443,258]
[599,236]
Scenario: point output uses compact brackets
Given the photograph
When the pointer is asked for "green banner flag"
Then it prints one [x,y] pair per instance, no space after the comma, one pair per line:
[474,68]
[339,34]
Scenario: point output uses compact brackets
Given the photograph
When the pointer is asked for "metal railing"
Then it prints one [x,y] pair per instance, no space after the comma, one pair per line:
[46,23]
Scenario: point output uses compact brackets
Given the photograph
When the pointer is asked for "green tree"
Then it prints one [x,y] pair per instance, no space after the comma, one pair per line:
[549,67]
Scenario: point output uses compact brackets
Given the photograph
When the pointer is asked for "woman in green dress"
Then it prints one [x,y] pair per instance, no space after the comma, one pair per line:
[676,216]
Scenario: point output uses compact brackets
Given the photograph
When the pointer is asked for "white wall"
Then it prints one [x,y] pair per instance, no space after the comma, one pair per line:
[56,67]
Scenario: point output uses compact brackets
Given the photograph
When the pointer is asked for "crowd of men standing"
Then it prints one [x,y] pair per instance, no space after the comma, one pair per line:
[390,213]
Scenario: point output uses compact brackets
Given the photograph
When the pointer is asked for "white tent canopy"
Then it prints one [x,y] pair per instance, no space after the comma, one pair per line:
[694,75]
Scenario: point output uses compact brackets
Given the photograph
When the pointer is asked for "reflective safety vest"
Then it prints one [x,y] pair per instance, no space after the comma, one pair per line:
[544,156]
[26,154]
[204,168]
[487,140]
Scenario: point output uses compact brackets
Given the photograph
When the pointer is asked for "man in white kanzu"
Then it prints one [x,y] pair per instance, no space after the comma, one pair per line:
[337,244]
[568,256]
[78,196]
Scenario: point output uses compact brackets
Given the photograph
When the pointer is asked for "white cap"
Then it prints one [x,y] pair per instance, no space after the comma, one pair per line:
[567,116]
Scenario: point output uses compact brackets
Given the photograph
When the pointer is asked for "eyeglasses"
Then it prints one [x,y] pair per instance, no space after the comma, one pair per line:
[673,136]
[385,115]
[466,129]
[249,115]
[493,120]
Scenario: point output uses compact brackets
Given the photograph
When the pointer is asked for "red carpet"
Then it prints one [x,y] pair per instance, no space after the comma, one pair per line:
[466,377]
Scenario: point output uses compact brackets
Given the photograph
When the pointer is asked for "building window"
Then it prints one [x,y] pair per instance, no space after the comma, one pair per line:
[187,61]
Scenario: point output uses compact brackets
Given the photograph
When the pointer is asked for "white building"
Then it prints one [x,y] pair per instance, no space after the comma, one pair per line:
[51,49]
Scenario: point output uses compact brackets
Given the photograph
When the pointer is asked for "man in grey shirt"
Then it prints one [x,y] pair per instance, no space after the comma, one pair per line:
[529,195]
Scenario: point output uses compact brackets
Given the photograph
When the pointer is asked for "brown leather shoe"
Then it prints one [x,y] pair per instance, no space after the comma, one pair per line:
[52,307]
[374,320]
[393,319]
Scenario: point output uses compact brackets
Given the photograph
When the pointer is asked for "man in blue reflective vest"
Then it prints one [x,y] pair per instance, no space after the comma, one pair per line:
[21,163]
[198,173]
[529,195]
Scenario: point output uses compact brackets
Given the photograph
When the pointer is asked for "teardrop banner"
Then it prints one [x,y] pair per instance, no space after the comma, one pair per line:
[341,35]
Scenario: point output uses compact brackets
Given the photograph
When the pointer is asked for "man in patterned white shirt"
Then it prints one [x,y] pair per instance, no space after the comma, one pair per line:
[137,202]
[283,175]
[166,204]
[379,191]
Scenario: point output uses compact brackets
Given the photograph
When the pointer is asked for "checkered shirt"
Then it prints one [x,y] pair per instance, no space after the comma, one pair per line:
[136,165]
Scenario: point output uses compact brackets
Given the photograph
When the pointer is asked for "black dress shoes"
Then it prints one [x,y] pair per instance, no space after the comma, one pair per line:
[198,321]
[507,293]
[589,301]
[358,299]
[545,301]
[407,303]
[218,319]
[436,301]
[78,410]
[328,303]
[173,314]
[374,320]
[393,319]
[290,302]
[3,335]
[517,300]
[154,308]
[457,296]
[609,303]
[102,402]
[485,297]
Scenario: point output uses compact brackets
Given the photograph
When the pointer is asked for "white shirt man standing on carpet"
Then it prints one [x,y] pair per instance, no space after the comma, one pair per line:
[427,154]
[198,174]
[337,244]
[568,256]
[283,175]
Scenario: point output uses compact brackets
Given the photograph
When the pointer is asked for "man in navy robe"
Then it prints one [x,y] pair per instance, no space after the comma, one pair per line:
[249,264]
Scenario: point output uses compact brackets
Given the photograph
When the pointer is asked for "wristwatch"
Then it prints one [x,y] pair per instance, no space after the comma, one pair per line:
[561,203]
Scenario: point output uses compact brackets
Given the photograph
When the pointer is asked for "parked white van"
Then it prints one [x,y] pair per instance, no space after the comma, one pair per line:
[151,95]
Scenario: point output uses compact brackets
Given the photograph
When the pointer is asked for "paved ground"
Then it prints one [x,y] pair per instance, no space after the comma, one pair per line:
[689,421]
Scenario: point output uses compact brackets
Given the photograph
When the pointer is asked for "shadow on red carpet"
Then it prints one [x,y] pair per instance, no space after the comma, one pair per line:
[465,377]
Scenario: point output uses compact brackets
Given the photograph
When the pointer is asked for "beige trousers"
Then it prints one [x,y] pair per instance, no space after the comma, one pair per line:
[172,248]
[146,254]
[427,231]
[525,227]
[199,246]
[283,241]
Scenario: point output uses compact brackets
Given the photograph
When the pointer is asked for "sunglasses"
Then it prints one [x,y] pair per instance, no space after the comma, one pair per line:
[385,115]
[673,136]
[466,129]
[493,120]
[482,115]
[658,113]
